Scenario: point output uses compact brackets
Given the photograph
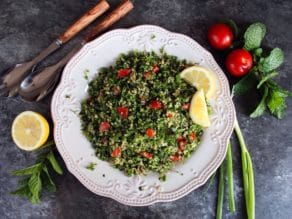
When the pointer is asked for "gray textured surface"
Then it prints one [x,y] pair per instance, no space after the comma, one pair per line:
[28,26]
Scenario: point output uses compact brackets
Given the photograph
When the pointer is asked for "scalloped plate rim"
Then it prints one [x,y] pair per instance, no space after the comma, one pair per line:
[111,194]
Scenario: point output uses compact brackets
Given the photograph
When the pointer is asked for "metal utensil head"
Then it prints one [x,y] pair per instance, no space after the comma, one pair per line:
[32,89]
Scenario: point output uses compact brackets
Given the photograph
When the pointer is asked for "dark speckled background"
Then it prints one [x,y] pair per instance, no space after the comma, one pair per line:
[28,26]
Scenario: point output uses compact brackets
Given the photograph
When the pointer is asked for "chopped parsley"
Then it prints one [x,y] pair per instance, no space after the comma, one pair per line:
[91,166]
[136,114]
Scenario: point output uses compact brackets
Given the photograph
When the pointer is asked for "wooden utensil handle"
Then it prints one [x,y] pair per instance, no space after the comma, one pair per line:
[86,19]
[125,7]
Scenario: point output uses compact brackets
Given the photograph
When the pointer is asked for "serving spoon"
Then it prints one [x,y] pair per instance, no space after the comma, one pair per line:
[36,87]
[12,77]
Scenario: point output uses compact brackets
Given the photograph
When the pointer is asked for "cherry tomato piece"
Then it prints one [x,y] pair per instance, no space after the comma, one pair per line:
[155,69]
[186,106]
[182,142]
[193,136]
[123,111]
[155,104]
[146,154]
[124,72]
[116,152]
[104,126]
[150,132]
[175,157]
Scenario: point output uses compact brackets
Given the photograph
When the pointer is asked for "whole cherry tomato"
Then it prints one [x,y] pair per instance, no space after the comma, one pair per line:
[220,36]
[239,62]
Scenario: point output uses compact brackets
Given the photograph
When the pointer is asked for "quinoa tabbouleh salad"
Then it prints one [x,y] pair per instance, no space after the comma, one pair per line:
[137,114]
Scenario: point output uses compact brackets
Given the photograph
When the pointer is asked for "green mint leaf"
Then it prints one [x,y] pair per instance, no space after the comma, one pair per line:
[262,105]
[273,61]
[276,87]
[254,35]
[35,186]
[266,78]
[54,163]
[23,191]
[276,103]
[27,171]
[245,84]
[47,180]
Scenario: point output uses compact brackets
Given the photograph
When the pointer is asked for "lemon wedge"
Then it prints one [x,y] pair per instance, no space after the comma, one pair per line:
[30,130]
[198,109]
[201,78]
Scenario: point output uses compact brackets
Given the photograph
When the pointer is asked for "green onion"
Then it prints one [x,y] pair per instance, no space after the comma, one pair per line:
[247,172]
[230,179]
[220,192]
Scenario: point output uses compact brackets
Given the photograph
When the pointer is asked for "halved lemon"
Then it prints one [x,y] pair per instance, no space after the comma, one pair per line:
[201,78]
[199,110]
[30,130]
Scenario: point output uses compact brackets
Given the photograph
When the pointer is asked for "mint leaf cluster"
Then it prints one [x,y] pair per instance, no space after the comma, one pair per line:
[37,176]
[261,76]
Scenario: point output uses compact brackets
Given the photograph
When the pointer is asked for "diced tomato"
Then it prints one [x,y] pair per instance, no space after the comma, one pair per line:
[186,106]
[155,104]
[182,142]
[175,157]
[124,72]
[150,132]
[116,152]
[193,136]
[169,115]
[155,69]
[147,75]
[104,126]
[146,154]
[123,111]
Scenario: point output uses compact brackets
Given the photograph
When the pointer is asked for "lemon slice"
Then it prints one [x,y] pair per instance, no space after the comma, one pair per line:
[201,78]
[199,110]
[30,130]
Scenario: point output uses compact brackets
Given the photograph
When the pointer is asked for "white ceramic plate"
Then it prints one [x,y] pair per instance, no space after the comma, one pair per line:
[77,151]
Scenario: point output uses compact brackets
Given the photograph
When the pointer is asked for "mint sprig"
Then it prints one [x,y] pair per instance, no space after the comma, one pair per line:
[261,76]
[37,176]
[254,35]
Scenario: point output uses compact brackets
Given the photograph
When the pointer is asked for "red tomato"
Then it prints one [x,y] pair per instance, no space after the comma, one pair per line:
[220,36]
[239,62]
[186,106]
[124,72]
[155,104]
[155,69]
[193,136]
[104,126]
[116,152]
[146,154]
[123,111]
[175,157]
[182,142]
[150,132]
